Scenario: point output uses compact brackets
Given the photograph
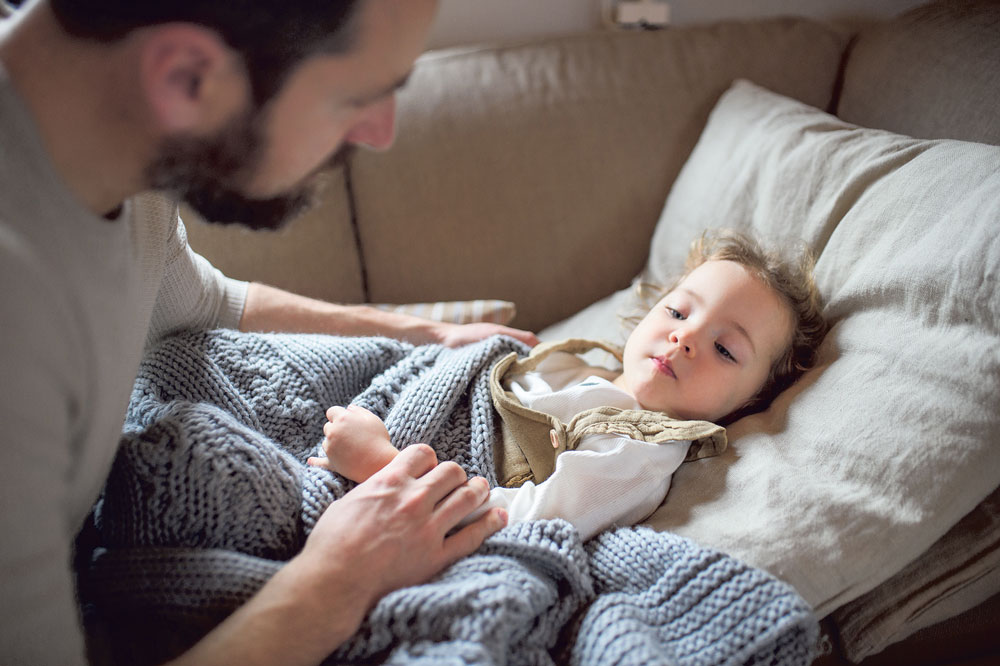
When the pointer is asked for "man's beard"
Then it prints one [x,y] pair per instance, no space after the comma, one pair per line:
[209,173]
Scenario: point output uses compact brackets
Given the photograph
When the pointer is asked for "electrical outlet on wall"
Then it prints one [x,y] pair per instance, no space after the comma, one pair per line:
[641,14]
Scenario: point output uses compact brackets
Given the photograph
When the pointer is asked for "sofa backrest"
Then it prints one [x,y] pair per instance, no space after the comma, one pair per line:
[535,173]
[933,72]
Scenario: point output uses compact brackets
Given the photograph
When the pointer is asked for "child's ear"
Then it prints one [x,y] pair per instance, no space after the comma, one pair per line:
[191,79]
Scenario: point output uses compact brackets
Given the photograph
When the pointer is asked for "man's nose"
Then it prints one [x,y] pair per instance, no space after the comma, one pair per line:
[377,126]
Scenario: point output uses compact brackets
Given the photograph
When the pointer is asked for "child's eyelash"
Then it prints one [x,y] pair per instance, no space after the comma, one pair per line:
[674,313]
[725,352]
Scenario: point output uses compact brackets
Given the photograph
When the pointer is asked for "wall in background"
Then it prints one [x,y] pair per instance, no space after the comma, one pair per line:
[475,21]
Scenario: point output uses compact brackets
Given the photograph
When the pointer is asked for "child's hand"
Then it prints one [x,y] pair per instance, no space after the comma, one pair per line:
[356,443]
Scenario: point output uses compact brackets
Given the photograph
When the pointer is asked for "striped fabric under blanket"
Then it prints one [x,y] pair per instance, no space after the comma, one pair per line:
[457,312]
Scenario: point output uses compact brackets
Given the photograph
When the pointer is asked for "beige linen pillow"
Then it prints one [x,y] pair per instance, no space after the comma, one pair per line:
[868,460]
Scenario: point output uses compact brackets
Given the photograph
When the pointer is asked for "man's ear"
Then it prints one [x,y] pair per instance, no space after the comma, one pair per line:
[191,79]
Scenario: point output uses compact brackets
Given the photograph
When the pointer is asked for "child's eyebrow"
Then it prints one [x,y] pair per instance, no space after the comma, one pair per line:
[732,322]
[743,332]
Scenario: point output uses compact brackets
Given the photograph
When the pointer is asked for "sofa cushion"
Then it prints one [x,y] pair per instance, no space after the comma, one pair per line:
[506,156]
[933,72]
[869,459]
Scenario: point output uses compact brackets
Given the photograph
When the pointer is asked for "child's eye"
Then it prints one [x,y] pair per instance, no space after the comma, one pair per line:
[674,313]
[724,353]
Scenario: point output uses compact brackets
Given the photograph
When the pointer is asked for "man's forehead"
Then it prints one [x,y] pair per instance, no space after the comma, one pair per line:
[390,35]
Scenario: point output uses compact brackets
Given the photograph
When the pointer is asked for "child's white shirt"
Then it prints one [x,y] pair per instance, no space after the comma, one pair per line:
[609,480]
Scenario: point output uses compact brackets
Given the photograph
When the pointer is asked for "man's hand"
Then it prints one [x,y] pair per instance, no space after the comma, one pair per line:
[389,532]
[456,335]
[392,530]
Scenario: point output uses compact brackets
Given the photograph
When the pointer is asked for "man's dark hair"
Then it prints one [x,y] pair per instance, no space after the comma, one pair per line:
[273,36]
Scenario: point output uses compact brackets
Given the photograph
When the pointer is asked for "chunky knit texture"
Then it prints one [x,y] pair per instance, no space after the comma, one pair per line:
[210,494]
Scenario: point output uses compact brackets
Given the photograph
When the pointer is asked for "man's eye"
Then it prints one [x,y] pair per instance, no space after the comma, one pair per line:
[674,313]
[724,352]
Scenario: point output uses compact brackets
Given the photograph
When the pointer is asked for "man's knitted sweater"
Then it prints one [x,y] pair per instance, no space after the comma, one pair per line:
[80,295]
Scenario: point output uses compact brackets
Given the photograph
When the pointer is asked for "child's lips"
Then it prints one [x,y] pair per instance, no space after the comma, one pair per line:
[663,364]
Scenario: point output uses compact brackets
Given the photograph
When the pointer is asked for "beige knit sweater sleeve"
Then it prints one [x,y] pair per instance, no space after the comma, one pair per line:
[193,294]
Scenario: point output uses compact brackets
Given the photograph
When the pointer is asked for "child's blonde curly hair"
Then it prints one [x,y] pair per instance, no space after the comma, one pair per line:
[790,278]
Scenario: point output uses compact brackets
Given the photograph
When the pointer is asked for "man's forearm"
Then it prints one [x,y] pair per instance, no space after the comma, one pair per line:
[271,309]
[296,618]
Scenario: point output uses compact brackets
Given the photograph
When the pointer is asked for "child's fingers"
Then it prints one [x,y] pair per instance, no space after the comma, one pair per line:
[316,461]
[334,412]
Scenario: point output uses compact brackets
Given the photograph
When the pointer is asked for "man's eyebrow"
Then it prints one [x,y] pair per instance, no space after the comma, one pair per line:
[735,324]
[383,92]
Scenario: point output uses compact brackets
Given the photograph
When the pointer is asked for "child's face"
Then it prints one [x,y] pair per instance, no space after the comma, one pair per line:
[706,348]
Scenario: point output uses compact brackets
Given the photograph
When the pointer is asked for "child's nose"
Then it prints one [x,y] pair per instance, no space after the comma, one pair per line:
[684,339]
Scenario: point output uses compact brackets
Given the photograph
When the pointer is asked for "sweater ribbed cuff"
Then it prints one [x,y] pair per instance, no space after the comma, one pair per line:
[235,294]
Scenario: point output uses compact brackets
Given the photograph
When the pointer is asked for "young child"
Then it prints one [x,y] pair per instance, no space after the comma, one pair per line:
[738,327]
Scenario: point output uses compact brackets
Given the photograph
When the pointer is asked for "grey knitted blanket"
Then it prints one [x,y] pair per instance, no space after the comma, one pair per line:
[210,494]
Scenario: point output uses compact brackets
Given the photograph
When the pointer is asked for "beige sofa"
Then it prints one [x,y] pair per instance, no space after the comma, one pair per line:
[556,174]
